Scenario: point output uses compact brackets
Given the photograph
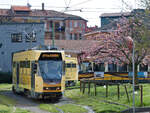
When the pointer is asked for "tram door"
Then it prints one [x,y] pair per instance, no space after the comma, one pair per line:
[17,74]
[32,76]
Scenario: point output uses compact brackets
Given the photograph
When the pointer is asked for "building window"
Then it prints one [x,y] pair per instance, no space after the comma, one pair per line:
[123,68]
[70,24]
[51,24]
[143,68]
[79,24]
[57,24]
[75,24]
[57,27]
[16,37]
[2,52]
[85,67]
[83,26]
[80,36]
[45,26]
[75,36]
[1,45]
[99,67]
[31,37]
[112,67]
[70,36]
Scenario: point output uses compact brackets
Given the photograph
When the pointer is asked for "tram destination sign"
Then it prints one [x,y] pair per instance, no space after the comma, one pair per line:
[50,56]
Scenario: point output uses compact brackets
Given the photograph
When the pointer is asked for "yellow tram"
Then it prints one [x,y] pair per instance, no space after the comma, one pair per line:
[71,70]
[39,73]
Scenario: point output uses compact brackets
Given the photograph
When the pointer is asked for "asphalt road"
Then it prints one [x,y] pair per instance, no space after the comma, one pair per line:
[25,103]
[33,105]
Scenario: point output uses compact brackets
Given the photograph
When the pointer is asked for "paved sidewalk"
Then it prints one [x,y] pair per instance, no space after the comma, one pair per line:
[138,110]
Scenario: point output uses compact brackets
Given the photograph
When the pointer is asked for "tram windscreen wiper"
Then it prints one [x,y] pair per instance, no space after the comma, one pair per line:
[50,70]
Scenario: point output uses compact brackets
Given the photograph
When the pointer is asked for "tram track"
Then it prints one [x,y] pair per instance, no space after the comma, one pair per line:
[32,105]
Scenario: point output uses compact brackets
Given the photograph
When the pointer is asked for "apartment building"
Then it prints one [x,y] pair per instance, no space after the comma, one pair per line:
[60,25]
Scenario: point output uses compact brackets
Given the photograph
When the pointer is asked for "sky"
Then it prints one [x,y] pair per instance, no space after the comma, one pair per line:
[87,9]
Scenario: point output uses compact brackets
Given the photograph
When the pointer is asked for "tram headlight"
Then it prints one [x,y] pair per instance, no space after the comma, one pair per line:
[58,88]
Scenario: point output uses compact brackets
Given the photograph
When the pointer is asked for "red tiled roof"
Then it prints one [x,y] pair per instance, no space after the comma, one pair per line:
[20,8]
[75,46]
[39,13]
[51,13]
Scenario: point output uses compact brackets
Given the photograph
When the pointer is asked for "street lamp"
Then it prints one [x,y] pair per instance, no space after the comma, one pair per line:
[131,46]
[133,81]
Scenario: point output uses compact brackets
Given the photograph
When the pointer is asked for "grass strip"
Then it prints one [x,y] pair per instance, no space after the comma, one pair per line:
[71,108]
[100,103]
[49,107]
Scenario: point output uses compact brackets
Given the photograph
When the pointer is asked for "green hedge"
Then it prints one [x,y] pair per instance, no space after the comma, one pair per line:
[5,77]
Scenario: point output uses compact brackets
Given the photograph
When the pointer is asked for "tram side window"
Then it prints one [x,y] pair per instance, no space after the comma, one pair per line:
[14,64]
[74,65]
[68,65]
[99,67]
[21,64]
[25,64]
[123,68]
[143,68]
[112,67]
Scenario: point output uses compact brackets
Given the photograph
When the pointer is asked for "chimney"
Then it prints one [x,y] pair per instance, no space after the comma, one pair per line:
[42,6]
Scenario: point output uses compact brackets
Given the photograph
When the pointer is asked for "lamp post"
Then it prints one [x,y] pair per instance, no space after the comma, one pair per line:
[133,76]
[53,34]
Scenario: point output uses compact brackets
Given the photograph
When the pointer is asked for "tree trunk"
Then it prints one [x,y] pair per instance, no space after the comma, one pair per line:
[136,77]
[136,74]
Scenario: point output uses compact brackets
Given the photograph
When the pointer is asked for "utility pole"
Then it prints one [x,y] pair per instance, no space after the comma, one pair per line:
[133,81]
[53,34]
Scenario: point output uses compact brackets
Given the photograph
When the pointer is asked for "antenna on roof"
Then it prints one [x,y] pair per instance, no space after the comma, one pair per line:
[28,4]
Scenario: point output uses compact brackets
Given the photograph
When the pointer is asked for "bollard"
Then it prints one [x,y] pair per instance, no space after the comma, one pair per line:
[141,95]
[95,88]
[126,93]
[83,90]
[106,90]
[80,85]
[118,91]
[89,87]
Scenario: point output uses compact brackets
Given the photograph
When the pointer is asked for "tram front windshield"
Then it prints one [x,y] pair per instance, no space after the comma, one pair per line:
[50,70]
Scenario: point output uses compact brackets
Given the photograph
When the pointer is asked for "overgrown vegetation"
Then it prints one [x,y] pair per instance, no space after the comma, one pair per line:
[71,108]
[11,109]
[7,104]
[49,107]
[66,108]
[101,104]
[4,87]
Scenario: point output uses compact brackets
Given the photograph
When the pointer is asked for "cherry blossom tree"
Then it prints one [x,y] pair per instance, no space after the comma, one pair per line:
[116,46]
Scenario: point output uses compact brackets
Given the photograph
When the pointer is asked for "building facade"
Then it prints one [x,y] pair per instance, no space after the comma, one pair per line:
[18,36]
[109,20]
[62,26]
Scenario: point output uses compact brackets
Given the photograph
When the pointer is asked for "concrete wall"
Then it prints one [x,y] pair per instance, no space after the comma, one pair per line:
[7,46]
